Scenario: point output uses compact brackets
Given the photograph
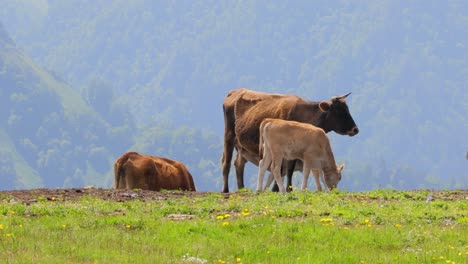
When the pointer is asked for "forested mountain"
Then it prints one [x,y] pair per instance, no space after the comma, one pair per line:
[50,136]
[151,76]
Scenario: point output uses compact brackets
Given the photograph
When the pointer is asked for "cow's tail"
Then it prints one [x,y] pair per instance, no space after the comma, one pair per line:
[118,174]
[260,142]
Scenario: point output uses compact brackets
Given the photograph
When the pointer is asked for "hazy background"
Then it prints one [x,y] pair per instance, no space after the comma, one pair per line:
[81,82]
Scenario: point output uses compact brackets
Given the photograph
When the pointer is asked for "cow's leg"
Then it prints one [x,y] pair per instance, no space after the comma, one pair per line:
[227,158]
[317,173]
[239,163]
[275,186]
[262,167]
[276,170]
[290,165]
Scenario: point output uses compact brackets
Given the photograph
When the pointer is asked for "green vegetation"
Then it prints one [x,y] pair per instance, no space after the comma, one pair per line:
[383,226]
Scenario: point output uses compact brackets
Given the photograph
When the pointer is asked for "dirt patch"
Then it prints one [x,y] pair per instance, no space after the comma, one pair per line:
[35,195]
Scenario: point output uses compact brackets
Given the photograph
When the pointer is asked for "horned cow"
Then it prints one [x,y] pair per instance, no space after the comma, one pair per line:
[245,109]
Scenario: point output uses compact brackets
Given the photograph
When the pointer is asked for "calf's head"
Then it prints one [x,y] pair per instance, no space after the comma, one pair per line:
[338,117]
[333,176]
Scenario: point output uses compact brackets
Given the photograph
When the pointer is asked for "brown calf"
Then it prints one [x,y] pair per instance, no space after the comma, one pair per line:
[290,140]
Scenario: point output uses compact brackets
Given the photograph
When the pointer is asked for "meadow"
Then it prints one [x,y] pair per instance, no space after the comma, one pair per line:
[381,226]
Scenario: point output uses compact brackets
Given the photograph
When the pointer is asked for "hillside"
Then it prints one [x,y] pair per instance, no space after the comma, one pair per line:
[156,73]
[50,135]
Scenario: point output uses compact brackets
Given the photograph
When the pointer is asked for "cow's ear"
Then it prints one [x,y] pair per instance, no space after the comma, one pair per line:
[341,167]
[324,106]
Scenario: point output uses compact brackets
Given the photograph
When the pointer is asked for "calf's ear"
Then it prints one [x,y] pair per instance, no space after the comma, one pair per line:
[341,167]
[324,106]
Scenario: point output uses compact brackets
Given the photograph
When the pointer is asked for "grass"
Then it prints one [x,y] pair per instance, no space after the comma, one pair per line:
[382,226]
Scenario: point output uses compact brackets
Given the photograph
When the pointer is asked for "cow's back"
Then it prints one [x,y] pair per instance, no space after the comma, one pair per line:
[173,175]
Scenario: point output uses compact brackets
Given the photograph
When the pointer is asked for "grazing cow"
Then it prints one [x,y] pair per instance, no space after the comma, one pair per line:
[133,170]
[245,109]
[290,140]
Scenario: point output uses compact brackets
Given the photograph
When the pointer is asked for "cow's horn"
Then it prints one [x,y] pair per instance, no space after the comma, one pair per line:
[346,95]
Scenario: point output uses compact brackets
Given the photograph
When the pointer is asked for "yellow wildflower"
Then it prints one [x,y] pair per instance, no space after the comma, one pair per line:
[225,223]
[220,217]
[245,212]
[220,261]
[397,225]
[238,259]
[128,226]
[366,221]
[1,227]
[227,215]
[8,235]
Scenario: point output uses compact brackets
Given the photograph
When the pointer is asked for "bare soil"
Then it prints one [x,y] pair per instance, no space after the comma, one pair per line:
[35,195]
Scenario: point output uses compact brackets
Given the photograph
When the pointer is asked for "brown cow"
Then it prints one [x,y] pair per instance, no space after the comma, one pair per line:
[289,140]
[133,170]
[245,109]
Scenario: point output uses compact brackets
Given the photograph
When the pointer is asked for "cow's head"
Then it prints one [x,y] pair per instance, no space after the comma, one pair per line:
[333,177]
[338,117]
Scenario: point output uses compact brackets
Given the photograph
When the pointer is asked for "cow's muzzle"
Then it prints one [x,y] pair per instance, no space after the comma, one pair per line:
[353,131]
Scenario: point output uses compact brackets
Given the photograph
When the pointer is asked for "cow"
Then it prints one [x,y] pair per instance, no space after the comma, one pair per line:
[290,140]
[135,171]
[245,109]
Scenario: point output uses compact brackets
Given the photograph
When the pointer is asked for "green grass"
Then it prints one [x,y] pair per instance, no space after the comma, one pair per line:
[382,226]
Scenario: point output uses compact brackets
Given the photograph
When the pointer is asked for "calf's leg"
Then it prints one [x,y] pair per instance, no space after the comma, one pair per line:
[306,172]
[316,173]
[262,167]
[276,170]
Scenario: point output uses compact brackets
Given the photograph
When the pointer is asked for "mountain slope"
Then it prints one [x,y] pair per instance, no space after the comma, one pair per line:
[53,137]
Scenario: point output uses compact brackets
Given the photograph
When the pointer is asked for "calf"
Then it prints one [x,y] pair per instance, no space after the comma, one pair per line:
[291,140]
